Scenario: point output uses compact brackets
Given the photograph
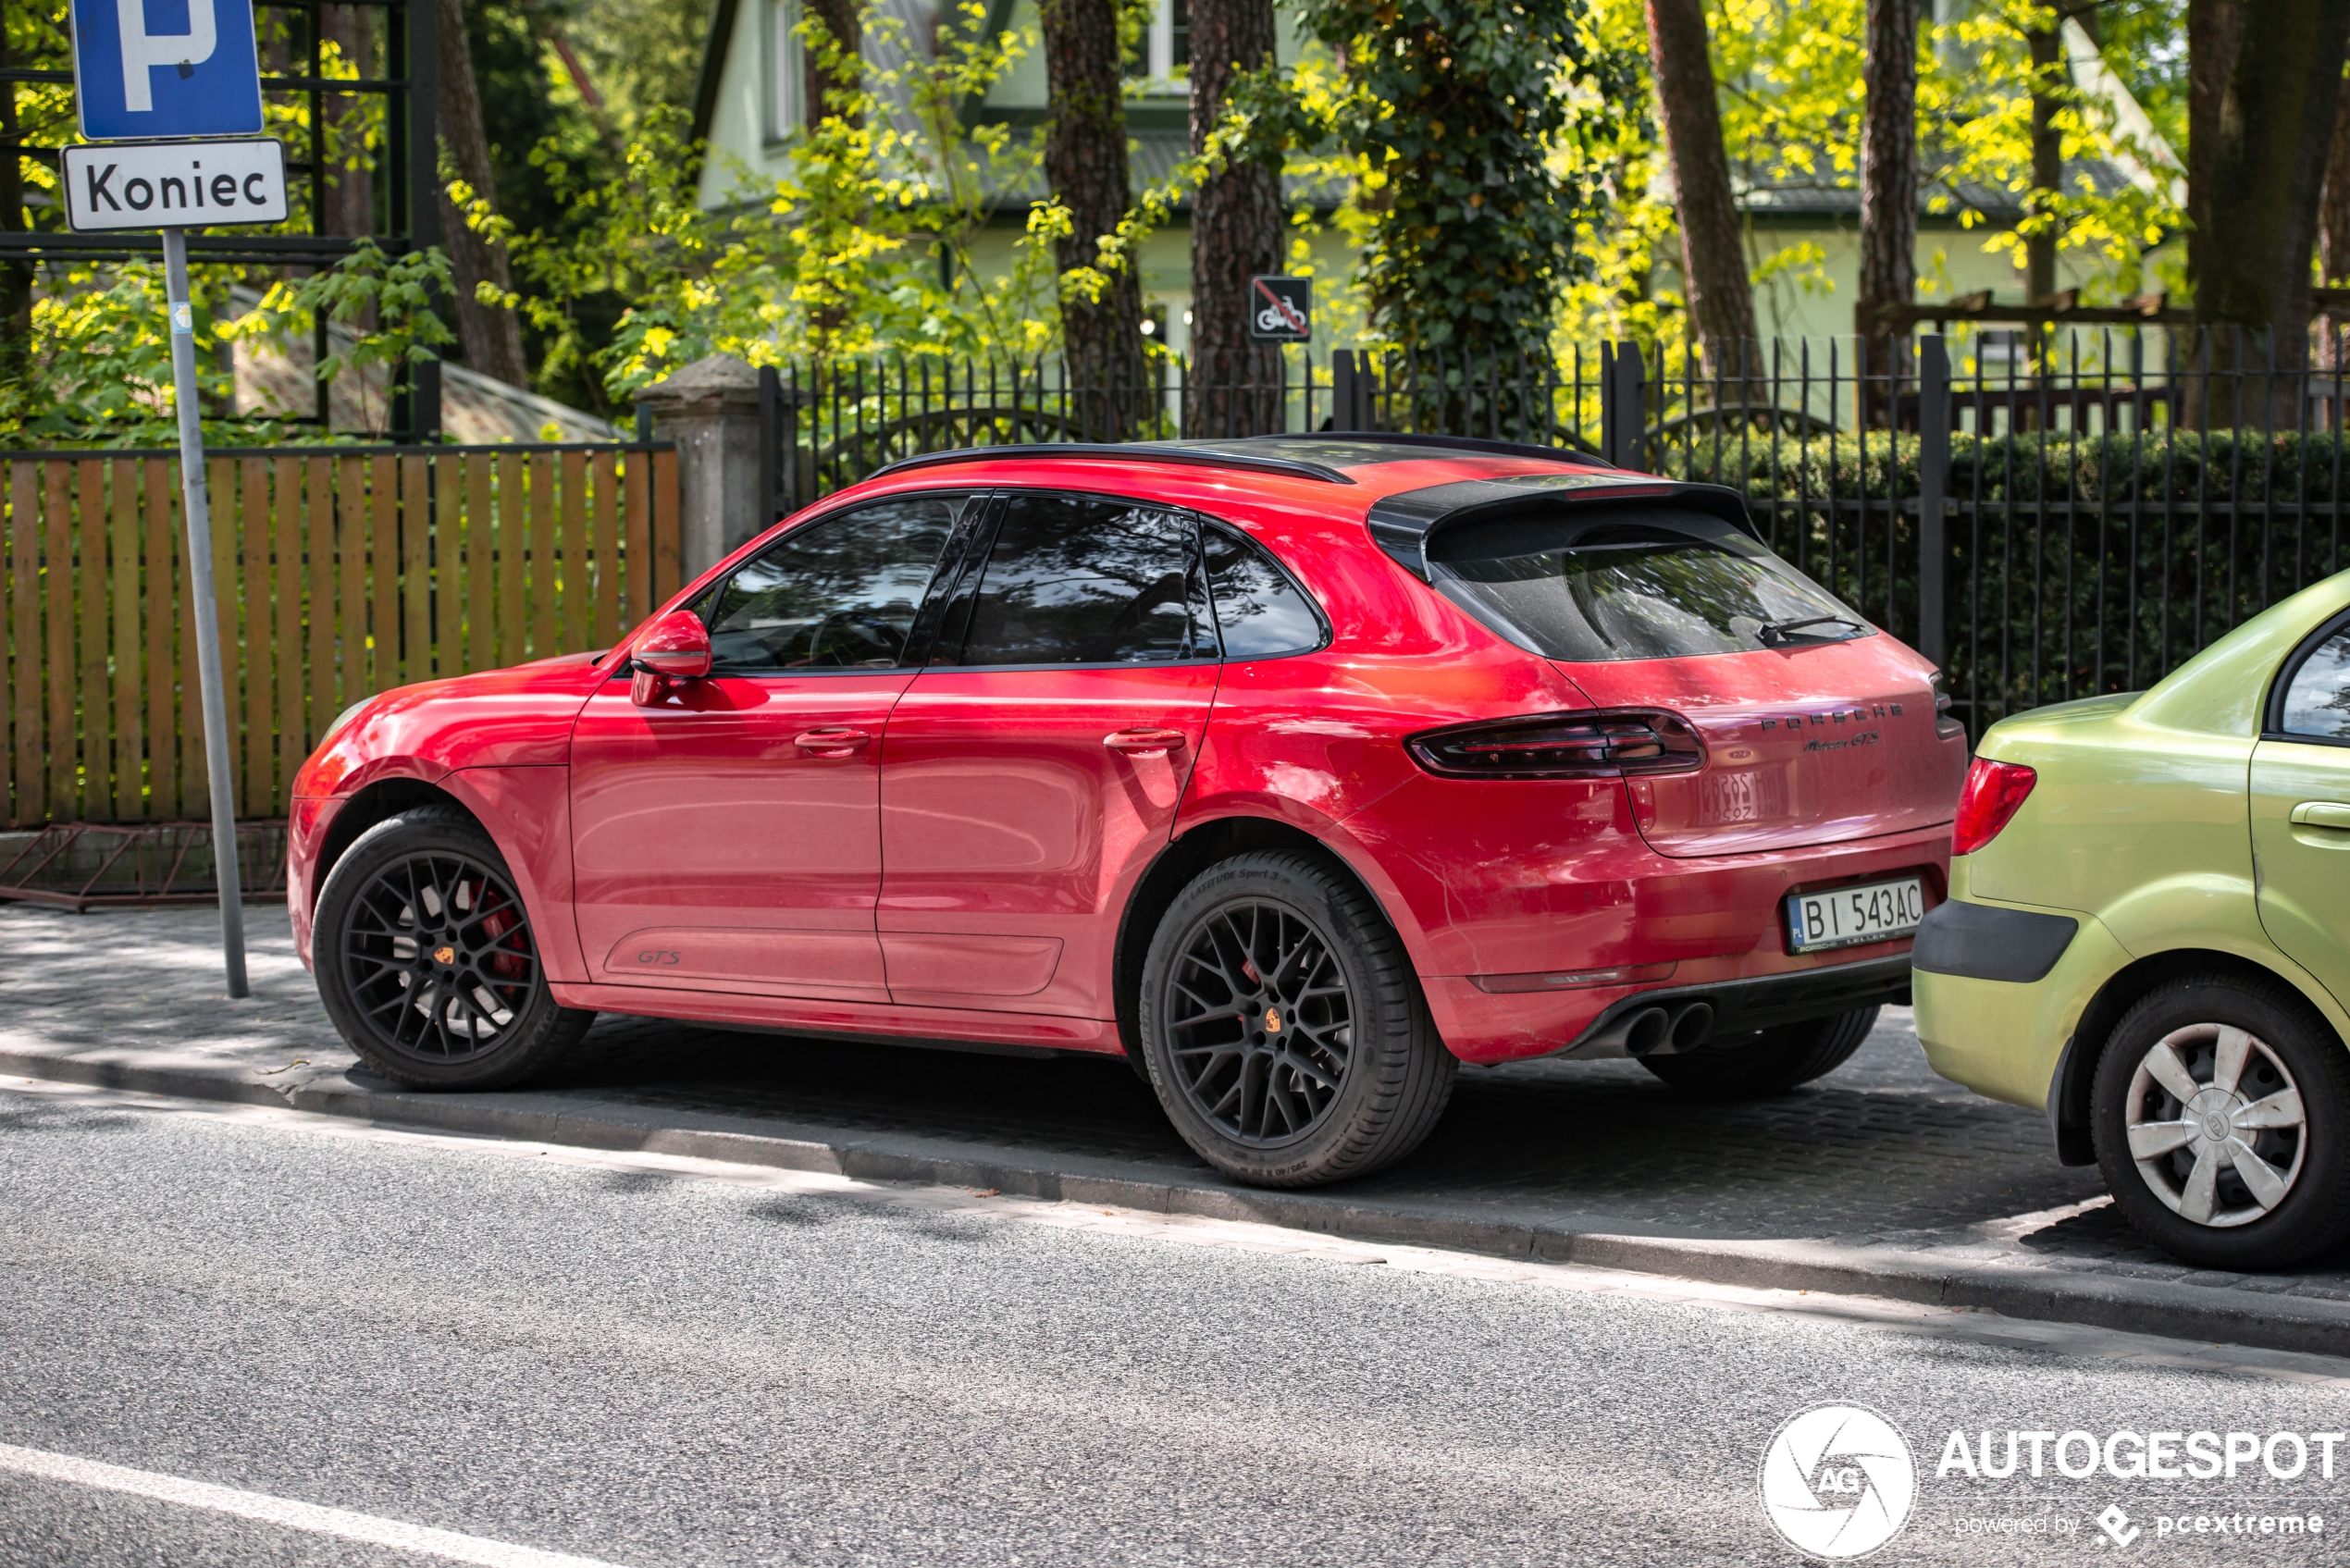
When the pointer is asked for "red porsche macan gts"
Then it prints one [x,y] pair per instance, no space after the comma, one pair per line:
[1298,770]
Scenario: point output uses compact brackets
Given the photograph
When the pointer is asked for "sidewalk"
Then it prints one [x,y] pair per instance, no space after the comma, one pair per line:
[1882,1179]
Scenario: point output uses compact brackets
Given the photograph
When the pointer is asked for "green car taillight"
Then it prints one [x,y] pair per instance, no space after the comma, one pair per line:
[1987,801]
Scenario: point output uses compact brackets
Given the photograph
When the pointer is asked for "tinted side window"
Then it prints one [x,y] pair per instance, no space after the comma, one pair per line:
[2317,700]
[1259,612]
[1082,580]
[837,595]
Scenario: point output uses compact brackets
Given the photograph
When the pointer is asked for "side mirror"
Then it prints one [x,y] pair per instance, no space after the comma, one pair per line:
[677,648]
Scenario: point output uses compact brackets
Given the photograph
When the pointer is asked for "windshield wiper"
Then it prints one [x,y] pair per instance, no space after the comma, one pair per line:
[1773,633]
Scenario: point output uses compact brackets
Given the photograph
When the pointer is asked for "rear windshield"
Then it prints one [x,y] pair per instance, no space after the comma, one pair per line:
[1590,589]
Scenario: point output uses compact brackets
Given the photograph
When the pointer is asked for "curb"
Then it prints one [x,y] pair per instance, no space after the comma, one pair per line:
[2162,1307]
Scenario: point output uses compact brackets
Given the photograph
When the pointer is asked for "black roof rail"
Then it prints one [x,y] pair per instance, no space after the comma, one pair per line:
[1147,451]
[1444,443]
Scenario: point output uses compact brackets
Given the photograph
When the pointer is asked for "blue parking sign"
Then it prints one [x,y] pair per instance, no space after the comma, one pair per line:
[152,68]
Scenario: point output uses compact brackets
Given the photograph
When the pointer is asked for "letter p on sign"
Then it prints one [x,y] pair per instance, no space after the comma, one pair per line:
[147,69]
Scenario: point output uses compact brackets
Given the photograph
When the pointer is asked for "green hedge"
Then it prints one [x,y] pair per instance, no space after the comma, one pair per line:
[2076,566]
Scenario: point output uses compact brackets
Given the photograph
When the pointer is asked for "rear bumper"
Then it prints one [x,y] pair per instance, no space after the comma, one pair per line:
[1738,1007]
[1718,922]
[1997,1018]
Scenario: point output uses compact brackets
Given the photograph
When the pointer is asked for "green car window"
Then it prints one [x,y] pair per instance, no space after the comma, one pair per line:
[2317,701]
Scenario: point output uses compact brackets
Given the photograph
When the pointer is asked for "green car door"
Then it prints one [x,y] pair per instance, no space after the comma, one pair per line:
[2301,809]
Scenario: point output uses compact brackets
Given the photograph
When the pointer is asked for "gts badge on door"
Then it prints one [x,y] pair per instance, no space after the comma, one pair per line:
[664,956]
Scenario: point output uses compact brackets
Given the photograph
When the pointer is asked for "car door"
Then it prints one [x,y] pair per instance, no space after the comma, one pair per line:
[726,835]
[1039,758]
[2301,810]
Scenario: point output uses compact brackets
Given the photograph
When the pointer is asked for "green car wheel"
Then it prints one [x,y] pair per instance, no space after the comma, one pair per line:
[2218,1111]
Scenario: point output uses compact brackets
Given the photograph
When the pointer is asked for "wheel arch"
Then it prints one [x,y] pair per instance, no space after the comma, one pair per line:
[2077,1066]
[377,802]
[1201,846]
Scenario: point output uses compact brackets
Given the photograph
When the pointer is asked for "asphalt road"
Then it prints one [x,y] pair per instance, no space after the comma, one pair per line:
[652,1362]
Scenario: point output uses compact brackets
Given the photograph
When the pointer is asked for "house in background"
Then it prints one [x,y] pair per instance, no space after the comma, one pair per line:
[749,100]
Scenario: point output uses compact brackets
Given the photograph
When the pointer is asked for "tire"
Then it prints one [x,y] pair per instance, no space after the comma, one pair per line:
[2241,1042]
[425,899]
[1771,1062]
[1283,1028]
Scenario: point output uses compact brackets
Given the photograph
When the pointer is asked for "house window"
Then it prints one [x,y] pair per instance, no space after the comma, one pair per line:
[785,70]
[1166,48]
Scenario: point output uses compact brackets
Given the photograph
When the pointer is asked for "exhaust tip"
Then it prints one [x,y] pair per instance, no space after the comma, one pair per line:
[1692,1025]
[1646,1029]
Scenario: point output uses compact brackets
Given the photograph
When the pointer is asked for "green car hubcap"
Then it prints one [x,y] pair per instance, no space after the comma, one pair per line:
[2216,1125]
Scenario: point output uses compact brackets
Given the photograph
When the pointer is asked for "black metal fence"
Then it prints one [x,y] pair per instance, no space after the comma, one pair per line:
[2046,517]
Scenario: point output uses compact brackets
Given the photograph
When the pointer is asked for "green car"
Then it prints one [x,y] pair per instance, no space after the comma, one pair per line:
[2147,934]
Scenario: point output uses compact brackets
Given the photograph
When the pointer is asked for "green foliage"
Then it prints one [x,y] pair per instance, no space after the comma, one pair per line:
[640,56]
[1792,99]
[864,246]
[1791,111]
[1479,130]
[385,305]
[100,370]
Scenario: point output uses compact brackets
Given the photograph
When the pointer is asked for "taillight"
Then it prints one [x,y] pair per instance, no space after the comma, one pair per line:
[1992,793]
[1562,746]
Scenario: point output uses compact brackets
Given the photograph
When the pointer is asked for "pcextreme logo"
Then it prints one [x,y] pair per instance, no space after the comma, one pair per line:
[1838,1481]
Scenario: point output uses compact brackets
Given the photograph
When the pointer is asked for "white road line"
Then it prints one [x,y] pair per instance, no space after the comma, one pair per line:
[293,1516]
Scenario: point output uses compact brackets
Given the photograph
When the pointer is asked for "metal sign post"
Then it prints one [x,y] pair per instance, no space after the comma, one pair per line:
[138,90]
[202,603]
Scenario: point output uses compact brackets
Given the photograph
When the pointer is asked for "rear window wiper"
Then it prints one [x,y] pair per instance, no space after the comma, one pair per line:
[1773,633]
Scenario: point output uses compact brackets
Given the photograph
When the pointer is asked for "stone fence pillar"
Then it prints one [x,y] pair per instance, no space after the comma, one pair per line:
[711,410]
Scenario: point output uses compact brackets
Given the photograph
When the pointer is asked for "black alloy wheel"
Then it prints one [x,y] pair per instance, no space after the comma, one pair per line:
[427,960]
[1282,1026]
[438,953]
[1260,1022]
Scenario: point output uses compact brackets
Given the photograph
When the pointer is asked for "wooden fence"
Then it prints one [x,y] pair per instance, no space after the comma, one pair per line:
[340,574]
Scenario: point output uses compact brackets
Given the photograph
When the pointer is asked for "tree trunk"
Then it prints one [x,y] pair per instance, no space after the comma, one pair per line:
[2333,207]
[491,336]
[2256,208]
[1234,385]
[1889,185]
[2333,233]
[1085,161]
[16,276]
[1713,249]
[350,194]
[829,93]
[2047,166]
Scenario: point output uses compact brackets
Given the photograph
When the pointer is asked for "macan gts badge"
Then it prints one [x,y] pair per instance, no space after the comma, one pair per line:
[1297,769]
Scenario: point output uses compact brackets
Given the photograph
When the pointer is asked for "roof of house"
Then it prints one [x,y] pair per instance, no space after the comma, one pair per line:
[275,378]
[1809,200]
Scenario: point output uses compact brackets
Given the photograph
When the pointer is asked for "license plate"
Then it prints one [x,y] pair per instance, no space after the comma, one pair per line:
[1847,917]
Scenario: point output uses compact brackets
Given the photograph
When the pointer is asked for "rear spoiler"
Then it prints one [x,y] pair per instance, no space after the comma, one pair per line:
[1404,523]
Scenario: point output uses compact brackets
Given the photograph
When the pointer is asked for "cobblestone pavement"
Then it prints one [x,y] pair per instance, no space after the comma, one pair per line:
[1881,1157]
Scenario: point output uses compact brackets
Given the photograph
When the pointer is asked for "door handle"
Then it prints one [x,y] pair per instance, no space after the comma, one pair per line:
[1144,743]
[2322,814]
[836,740]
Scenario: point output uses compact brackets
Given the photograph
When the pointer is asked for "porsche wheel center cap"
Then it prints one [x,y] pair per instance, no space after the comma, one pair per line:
[1272,1020]
[444,955]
